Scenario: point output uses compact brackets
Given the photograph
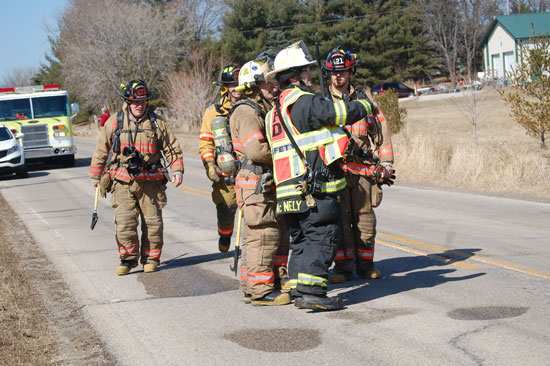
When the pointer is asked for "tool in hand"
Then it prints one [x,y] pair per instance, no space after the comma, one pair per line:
[94,214]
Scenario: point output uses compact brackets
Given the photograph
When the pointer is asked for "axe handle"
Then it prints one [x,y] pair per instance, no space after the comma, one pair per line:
[237,241]
[96,195]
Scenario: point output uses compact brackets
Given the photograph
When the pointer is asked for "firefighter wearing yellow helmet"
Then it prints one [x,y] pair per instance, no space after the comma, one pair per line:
[223,192]
[136,176]
[307,145]
[368,165]
[265,248]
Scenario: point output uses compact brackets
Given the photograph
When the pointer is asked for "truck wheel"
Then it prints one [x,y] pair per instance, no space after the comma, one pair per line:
[67,161]
[22,171]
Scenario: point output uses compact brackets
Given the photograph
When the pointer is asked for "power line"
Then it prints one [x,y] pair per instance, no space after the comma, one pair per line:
[324,21]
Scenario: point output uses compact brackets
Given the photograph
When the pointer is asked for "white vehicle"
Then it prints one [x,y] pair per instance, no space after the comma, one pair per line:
[42,114]
[12,158]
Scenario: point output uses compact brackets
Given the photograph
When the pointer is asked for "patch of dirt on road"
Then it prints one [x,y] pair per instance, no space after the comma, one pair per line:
[40,322]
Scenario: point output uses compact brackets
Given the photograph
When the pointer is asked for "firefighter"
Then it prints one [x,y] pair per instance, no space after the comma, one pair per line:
[136,176]
[369,157]
[307,145]
[266,238]
[223,191]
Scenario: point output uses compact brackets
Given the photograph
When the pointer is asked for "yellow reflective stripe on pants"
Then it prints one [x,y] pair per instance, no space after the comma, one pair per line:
[309,280]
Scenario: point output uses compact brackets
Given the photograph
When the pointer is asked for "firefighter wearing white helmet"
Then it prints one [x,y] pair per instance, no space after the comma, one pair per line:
[265,248]
[307,144]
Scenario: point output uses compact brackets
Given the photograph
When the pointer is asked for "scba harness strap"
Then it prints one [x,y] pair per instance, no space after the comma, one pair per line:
[134,157]
[249,103]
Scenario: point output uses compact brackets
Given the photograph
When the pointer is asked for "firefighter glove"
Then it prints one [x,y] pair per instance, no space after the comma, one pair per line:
[267,182]
[213,172]
[387,175]
[105,184]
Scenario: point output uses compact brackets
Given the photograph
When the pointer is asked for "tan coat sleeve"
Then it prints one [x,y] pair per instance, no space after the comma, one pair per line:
[385,151]
[171,149]
[102,148]
[206,138]
[248,135]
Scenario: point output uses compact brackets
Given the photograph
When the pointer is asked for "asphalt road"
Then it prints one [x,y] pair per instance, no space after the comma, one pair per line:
[466,281]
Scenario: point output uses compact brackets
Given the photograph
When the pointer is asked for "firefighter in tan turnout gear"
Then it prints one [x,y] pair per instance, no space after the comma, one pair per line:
[136,176]
[266,238]
[223,191]
[368,165]
[307,146]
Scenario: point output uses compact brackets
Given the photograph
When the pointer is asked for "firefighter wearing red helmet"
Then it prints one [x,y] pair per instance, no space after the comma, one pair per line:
[136,175]
[307,144]
[223,191]
[368,165]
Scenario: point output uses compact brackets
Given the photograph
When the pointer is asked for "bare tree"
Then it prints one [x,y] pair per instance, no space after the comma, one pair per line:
[206,15]
[442,27]
[529,6]
[190,90]
[473,18]
[19,76]
[539,5]
[104,43]
[470,105]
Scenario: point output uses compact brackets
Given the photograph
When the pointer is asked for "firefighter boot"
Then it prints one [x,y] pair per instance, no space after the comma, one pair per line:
[282,283]
[124,267]
[370,273]
[247,298]
[340,277]
[223,243]
[324,303]
[150,267]
[274,298]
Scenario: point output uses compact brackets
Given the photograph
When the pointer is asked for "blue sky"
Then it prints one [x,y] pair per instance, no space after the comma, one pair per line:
[24,40]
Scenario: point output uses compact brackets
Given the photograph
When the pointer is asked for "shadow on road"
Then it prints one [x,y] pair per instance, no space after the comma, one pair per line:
[416,276]
[184,260]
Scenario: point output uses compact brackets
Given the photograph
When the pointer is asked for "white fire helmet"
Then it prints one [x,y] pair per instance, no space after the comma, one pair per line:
[252,73]
[295,55]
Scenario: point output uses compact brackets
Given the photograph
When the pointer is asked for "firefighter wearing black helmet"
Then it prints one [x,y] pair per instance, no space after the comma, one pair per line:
[223,191]
[368,165]
[136,175]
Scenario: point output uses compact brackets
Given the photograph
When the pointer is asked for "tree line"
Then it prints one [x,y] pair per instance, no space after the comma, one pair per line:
[179,46]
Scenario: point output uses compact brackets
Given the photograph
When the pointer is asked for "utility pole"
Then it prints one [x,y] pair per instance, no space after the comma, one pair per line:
[507,7]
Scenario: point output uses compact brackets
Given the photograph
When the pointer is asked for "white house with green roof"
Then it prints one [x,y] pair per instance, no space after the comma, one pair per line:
[501,41]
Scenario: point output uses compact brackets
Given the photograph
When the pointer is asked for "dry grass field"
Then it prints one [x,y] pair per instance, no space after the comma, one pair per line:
[437,148]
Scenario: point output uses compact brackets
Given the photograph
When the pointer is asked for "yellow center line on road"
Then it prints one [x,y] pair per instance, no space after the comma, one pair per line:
[471,256]
[457,253]
[194,191]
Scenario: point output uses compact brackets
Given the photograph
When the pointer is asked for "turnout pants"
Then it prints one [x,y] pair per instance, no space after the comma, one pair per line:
[266,241]
[314,238]
[223,197]
[356,248]
[142,201]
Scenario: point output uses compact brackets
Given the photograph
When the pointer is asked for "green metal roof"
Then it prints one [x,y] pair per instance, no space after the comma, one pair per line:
[519,25]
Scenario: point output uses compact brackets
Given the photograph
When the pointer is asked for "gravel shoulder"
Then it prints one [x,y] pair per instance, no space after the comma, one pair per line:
[40,322]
